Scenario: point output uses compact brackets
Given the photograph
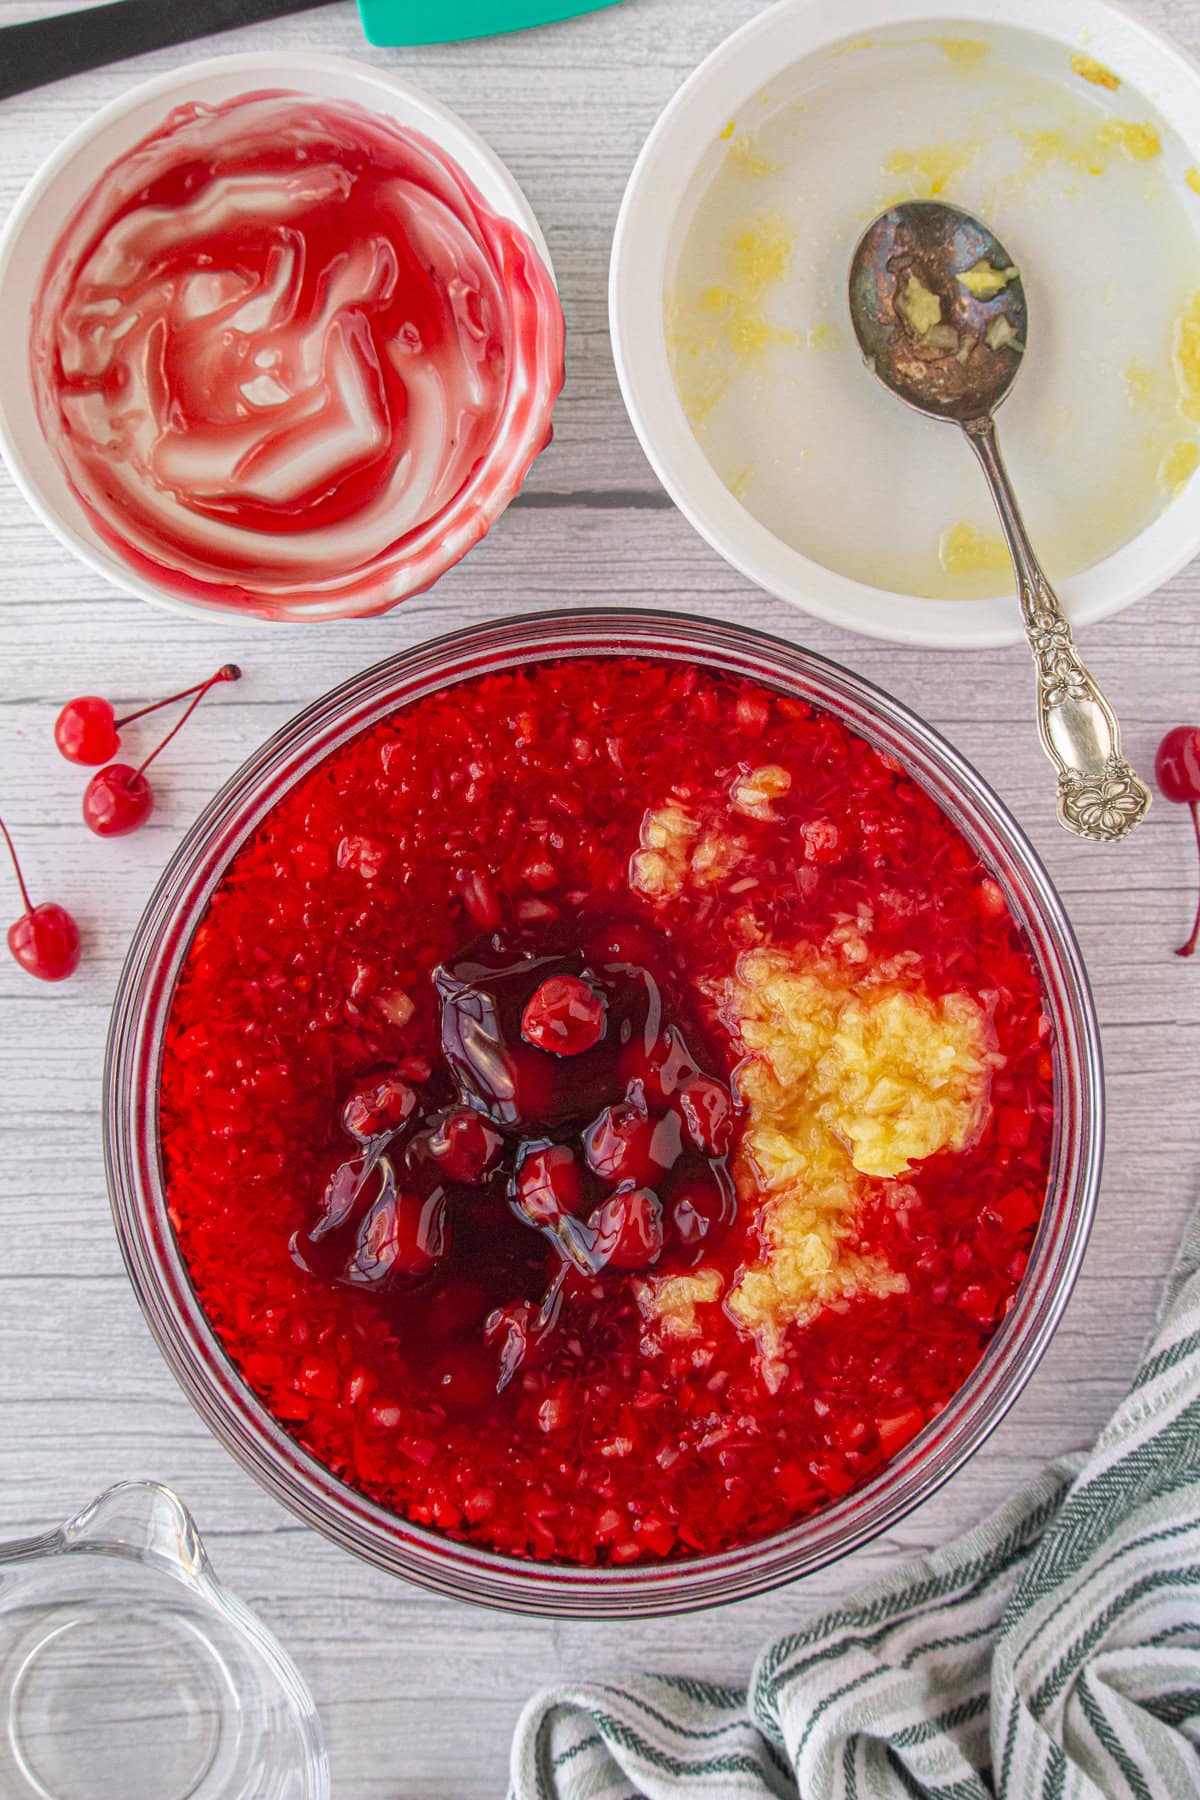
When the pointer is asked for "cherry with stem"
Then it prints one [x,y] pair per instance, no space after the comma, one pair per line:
[1177,767]
[87,729]
[119,799]
[45,939]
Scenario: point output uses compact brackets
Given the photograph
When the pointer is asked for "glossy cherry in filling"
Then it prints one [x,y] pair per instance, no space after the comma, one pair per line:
[566,1132]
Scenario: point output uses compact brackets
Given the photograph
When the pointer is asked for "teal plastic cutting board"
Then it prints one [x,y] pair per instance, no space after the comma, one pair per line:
[445,21]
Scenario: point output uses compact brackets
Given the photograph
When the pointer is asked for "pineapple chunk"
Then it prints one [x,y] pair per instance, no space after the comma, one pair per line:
[715,857]
[753,793]
[803,1274]
[672,1300]
[918,306]
[985,281]
[659,867]
[675,850]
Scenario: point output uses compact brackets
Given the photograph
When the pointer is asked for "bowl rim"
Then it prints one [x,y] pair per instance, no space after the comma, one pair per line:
[155,1265]
[784,35]
[273,69]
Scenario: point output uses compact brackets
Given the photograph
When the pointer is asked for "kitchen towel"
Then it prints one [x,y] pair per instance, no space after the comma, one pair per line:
[1051,1654]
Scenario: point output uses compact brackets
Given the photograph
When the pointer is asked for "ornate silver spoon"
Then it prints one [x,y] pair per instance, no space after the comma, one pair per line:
[940,315]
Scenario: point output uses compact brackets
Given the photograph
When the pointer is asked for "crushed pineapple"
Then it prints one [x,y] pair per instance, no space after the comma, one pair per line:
[985,281]
[1178,466]
[903,1077]
[1094,152]
[1000,333]
[1088,69]
[716,855]
[743,157]
[1139,141]
[1139,383]
[659,867]
[965,53]
[1042,148]
[931,169]
[844,1080]
[847,1078]
[807,1269]
[675,848]
[894,1076]
[753,793]
[671,1300]
[918,306]
[723,330]
[1187,358]
[964,551]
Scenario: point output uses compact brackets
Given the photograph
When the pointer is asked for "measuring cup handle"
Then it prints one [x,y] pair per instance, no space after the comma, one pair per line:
[144,1520]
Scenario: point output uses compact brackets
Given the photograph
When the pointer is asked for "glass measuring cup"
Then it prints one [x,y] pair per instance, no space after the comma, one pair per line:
[127,1672]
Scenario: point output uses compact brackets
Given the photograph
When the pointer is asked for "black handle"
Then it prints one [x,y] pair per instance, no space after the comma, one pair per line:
[44,50]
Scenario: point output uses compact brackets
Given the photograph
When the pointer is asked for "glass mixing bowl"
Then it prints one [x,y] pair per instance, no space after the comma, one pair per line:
[160,1277]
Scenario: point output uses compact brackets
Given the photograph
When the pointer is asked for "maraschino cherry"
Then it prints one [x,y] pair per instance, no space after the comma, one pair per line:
[1177,767]
[564,1016]
[45,939]
[119,799]
[88,731]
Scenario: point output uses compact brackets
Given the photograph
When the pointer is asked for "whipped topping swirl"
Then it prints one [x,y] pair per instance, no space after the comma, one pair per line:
[289,359]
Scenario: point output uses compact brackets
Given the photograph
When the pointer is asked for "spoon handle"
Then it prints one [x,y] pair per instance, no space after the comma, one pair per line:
[1099,795]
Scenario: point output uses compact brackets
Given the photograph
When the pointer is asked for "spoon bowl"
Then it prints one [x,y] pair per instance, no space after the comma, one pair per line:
[923,255]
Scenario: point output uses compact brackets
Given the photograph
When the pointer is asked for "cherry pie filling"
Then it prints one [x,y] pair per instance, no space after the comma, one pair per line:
[606,1110]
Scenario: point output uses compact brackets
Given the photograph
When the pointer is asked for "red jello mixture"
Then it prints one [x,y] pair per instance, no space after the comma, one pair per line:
[457,1100]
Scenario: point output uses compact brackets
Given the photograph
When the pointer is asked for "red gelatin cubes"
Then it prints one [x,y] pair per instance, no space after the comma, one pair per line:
[470,1150]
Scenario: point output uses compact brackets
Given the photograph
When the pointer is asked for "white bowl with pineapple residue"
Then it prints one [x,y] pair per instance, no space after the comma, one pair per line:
[1068,125]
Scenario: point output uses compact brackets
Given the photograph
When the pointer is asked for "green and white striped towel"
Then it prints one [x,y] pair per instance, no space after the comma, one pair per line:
[1052,1652]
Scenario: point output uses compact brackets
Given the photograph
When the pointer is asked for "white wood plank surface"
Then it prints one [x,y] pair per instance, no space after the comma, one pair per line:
[418,1696]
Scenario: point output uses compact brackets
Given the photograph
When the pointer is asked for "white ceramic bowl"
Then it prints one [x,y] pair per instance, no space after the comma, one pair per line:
[66,177]
[657,206]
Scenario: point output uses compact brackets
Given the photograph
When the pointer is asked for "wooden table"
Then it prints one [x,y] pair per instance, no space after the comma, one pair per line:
[418,1695]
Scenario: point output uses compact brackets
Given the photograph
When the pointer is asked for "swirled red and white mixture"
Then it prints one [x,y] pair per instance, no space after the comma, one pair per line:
[290,360]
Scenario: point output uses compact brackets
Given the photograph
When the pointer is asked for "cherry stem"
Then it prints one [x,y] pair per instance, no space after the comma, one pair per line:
[230,672]
[1189,948]
[12,851]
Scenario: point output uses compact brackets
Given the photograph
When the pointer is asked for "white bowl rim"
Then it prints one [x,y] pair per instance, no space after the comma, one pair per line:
[272,69]
[783,35]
